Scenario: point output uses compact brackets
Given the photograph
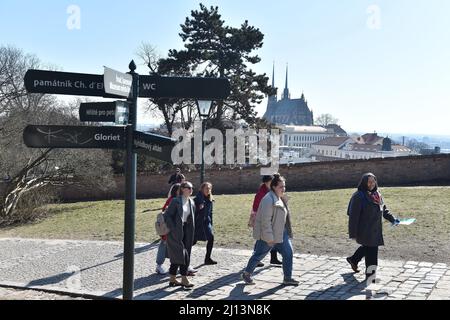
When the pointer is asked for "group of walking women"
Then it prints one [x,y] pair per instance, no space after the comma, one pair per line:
[191,220]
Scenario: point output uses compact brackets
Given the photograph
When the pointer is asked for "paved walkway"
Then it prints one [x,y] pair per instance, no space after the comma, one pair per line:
[95,268]
[16,294]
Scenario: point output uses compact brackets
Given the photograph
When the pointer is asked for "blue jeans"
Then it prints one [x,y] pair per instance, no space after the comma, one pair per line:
[161,255]
[262,249]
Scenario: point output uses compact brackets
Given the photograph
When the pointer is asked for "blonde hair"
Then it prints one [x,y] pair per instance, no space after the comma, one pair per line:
[204,184]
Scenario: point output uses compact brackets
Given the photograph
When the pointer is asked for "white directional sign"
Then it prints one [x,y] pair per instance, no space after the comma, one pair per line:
[117,83]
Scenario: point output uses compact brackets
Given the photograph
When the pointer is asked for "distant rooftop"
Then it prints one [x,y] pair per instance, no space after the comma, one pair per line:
[366,147]
[303,129]
[332,141]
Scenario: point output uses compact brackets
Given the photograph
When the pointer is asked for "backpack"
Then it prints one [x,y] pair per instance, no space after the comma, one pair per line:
[363,198]
[160,225]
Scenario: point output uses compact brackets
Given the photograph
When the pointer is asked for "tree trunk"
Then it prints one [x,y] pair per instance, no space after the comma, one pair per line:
[12,198]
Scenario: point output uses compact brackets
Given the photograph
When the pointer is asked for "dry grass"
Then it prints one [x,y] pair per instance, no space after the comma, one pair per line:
[319,221]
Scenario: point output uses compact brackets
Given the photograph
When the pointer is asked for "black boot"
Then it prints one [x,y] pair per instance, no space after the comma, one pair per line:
[209,247]
[353,264]
[209,261]
[274,259]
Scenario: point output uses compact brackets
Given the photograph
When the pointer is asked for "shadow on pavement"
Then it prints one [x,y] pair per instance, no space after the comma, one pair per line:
[351,288]
[198,292]
[238,293]
[59,278]
[141,283]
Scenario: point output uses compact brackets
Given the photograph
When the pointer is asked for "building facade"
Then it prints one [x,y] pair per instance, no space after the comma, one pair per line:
[288,111]
[368,146]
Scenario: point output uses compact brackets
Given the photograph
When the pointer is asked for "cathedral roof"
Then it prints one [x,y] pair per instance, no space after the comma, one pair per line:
[290,105]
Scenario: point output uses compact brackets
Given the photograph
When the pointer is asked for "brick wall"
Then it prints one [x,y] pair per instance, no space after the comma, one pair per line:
[417,170]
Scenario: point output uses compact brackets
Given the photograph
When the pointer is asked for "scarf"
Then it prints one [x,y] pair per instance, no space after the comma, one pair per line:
[375,197]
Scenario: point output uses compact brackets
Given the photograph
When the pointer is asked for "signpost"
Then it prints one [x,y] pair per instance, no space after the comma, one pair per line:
[122,113]
[184,87]
[74,137]
[114,84]
[66,83]
[156,146]
[117,83]
[55,82]
[116,111]
[130,192]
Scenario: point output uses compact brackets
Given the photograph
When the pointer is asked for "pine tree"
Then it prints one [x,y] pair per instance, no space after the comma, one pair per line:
[212,49]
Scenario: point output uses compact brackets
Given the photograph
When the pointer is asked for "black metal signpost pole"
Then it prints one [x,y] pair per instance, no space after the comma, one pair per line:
[130,189]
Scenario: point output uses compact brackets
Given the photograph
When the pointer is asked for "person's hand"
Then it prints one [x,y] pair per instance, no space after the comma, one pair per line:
[270,243]
[251,219]
[396,222]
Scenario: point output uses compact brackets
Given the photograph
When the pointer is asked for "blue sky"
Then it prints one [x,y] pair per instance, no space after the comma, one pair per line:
[393,78]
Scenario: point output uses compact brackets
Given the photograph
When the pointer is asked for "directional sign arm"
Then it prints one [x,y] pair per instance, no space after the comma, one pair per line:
[65,83]
[74,137]
[155,146]
[68,83]
[184,87]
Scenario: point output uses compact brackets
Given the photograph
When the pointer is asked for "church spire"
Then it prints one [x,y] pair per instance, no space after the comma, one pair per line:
[273,97]
[286,94]
[273,75]
[286,85]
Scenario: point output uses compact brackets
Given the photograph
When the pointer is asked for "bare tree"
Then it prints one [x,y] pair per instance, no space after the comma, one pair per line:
[325,120]
[417,146]
[26,170]
[172,111]
[149,56]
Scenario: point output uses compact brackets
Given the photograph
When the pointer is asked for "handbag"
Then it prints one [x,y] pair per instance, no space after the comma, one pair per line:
[160,225]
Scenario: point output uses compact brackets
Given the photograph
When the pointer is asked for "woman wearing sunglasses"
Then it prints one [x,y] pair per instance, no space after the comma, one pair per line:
[179,218]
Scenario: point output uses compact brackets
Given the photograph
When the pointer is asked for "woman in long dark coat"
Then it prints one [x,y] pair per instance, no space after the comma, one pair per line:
[179,217]
[204,219]
[366,209]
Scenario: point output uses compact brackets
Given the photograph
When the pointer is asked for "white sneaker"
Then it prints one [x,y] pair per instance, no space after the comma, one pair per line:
[160,269]
[191,269]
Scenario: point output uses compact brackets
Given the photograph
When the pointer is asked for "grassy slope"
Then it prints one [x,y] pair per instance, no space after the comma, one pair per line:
[319,219]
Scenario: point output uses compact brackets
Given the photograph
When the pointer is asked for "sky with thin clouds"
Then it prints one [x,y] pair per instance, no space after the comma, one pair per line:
[375,65]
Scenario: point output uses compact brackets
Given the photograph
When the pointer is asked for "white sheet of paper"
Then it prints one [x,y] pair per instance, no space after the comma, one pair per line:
[407,222]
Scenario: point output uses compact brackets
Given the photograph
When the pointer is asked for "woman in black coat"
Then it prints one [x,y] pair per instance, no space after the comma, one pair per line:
[366,209]
[180,220]
[204,219]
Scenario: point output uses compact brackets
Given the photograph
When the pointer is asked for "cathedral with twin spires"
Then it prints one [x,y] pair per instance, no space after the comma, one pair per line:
[288,111]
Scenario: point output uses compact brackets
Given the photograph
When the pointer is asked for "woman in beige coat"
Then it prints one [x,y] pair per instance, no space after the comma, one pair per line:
[272,230]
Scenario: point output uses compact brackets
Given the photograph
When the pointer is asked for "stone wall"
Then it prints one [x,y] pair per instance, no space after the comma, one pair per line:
[402,171]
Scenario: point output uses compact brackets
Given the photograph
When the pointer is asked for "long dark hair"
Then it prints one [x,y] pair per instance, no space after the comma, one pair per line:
[362,186]
[175,188]
[277,178]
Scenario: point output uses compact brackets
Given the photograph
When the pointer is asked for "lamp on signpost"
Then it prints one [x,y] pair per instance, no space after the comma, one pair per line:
[204,109]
